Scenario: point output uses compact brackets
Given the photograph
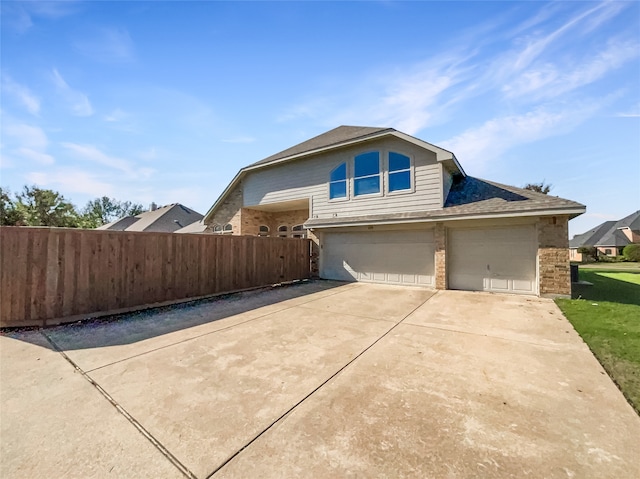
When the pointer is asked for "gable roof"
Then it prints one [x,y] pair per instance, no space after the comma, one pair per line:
[471,197]
[195,227]
[166,219]
[608,233]
[337,138]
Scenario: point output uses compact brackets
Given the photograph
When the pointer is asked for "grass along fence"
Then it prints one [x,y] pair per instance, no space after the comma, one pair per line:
[54,275]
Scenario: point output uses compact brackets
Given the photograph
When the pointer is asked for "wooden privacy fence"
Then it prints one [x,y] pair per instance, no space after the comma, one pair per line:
[55,275]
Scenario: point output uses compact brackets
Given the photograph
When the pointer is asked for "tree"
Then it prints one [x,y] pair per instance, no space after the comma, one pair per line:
[41,207]
[9,214]
[105,210]
[539,187]
[631,252]
[589,253]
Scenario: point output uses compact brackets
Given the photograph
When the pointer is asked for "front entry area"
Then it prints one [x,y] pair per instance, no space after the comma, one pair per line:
[394,257]
[498,259]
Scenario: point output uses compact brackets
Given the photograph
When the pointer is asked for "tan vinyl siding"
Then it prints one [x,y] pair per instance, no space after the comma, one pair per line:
[308,179]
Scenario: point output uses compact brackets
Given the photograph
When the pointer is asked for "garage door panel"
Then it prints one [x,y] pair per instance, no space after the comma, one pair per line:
[398,257]
[493,259]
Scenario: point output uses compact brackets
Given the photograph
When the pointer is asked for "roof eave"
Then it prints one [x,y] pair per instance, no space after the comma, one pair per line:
[571,212]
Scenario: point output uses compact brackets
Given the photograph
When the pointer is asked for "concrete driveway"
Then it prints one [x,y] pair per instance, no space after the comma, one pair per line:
[320,379]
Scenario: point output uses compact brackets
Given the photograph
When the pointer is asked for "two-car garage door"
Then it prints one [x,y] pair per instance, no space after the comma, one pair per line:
[499,259]
[397,257]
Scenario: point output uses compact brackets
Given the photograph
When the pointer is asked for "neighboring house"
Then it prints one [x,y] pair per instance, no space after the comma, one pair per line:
[195,227]
[386,207]
[166,219]
[609,238]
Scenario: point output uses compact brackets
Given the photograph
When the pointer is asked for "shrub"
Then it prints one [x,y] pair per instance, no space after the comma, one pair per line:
[589,253]
[631,252]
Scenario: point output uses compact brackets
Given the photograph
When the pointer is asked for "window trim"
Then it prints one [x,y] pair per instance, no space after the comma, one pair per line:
[298,231]
[380,175]
[412,175]
[347,195]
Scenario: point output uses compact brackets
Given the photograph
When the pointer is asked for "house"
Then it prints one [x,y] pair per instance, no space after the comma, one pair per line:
[609,238]
[383,206]
[195,227]
[166,219]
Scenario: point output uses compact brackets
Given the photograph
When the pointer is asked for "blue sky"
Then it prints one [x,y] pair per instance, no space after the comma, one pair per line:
[166,101]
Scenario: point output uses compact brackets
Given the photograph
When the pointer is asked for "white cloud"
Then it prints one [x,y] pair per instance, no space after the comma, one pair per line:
[477,146]
[409,99]
[408,104]
[33,155]
[148,154]
[28,143]
[71,180]
[535,48]
[20,15]
[78,101]
[27,136]
[108,45]
[116,115]
[22,94]
[551,80]
[633,112]
[93,154]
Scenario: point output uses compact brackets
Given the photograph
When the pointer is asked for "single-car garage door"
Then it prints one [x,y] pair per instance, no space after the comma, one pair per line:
[397,257]
[493,259]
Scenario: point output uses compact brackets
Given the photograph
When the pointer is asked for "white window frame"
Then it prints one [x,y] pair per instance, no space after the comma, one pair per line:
[380,175]
[412,176]
[298,233]
[347,183]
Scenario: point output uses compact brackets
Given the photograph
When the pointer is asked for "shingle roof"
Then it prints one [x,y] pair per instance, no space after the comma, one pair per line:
[341,134]
[592,236]
[166,219]
[195,227]
[608,233]
[471,197]
[119,225]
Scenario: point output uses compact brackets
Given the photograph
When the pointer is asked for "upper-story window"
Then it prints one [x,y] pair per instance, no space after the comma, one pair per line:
[282,231]
[217,229]
[263,231]
[366,177]
[338,182]
[228,229]
[399,172]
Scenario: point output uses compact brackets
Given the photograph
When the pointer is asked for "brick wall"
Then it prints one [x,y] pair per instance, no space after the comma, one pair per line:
[553,256]
[253,219]
[440,237]
[229,212]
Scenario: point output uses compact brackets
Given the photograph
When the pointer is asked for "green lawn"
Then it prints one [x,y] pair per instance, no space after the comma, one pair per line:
[612,266]
[607,316]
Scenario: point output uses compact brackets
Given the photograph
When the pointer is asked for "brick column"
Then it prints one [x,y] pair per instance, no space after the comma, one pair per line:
[440,238]
[553,256]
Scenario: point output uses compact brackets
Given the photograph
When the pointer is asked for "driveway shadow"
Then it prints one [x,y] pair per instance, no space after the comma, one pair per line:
[138,326]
